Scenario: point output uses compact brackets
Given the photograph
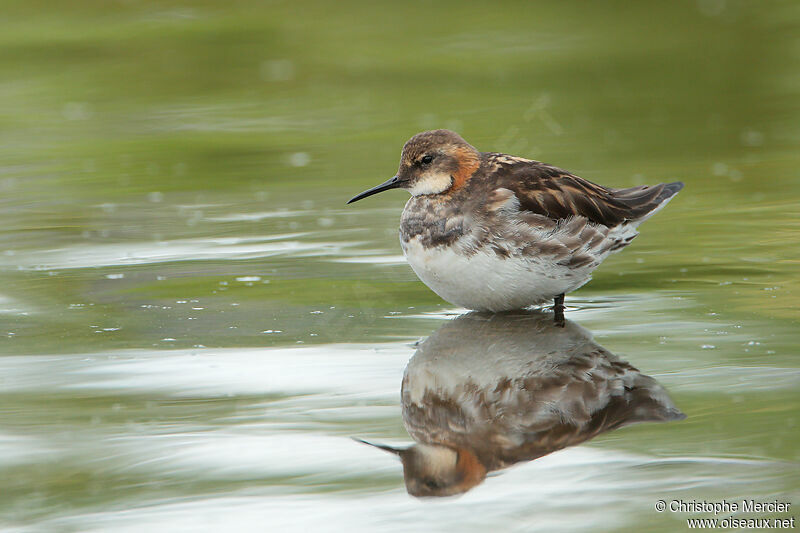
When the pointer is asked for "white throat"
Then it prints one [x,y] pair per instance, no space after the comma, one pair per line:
[431,184]
[437,459]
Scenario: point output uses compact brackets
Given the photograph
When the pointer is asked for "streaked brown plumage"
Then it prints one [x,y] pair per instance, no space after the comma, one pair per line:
[490,231]
[546,190]
[485,392]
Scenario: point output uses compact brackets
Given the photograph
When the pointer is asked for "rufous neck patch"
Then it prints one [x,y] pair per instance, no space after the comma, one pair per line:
[468,163]
[472,470]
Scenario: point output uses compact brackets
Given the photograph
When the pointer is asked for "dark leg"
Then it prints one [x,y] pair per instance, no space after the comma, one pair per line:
[558,309]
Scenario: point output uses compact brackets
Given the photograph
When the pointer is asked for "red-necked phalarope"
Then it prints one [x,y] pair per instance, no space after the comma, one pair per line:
[494,232]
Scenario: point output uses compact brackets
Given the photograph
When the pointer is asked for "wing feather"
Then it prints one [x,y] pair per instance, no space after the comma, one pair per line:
[547,190]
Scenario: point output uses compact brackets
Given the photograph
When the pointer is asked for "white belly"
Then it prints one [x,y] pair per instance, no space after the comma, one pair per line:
[485,281]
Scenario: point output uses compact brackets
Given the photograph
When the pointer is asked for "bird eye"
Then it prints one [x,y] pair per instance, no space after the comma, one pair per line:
[427,159]
[432,484]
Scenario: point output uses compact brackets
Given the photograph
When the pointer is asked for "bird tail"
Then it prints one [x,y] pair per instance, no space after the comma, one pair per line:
[645,201]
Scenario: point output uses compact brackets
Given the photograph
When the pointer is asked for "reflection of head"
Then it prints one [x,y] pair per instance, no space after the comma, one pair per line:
[437,470]
[487,391]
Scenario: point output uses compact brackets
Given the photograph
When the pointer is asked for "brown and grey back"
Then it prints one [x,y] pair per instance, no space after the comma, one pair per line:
[542,196]
[506,388]
[493,232]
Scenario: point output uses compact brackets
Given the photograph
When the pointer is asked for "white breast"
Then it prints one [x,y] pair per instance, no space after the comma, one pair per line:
[488,282]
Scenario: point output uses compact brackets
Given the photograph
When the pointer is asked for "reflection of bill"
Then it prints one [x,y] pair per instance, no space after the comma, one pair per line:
[487,391]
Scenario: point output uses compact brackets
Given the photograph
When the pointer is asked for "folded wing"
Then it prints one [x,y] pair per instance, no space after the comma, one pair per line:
[546,190]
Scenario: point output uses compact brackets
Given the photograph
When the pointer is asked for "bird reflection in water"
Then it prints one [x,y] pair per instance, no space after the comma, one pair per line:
[487,391]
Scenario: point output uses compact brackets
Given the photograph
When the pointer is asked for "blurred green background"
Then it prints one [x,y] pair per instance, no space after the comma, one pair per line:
[173,176]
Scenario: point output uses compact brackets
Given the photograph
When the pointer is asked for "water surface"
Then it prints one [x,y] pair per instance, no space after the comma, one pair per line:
[194,325]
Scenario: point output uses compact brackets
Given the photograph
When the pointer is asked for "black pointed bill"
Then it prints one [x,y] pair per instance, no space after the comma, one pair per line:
[391,183]
[384,447]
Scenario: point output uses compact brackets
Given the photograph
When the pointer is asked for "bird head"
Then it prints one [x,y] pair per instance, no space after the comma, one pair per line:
[437,470]
[432,162]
